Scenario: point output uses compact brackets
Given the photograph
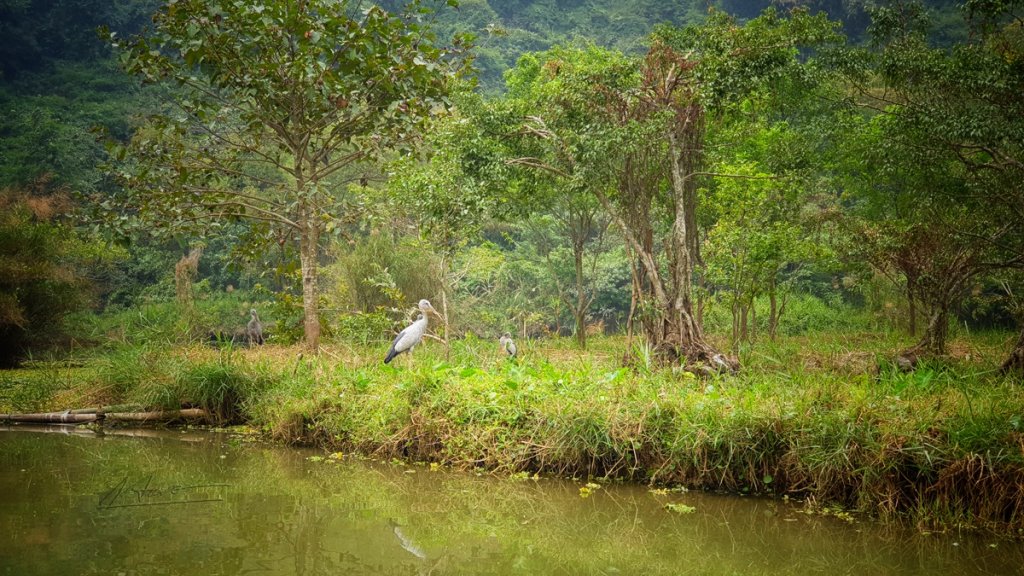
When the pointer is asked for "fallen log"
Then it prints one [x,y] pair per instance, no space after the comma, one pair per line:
[52,417]
[158,415]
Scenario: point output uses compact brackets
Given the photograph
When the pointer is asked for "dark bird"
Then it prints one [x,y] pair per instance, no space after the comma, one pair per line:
[412,335]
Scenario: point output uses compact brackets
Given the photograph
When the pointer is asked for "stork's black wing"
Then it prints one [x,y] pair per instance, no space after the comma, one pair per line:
[391,352]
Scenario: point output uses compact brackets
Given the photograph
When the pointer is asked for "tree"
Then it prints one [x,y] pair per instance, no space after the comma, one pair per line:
[570,244]
[451,187]
[547,161]
[273,109]
[479,171]
[951,122]
[645,127]
[760,241]
[699,78]
[44,268]
[584,224]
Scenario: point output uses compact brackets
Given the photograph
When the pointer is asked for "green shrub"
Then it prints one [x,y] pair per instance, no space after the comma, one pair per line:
[803,314]
[365,328]
[164,322]
[379,273]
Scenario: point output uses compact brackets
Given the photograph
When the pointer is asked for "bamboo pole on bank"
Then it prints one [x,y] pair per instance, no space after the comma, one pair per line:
[51,418]
[158,415]
[84,416]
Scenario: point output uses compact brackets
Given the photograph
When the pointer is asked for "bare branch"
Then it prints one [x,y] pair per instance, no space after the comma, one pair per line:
[741,176]
[537,163]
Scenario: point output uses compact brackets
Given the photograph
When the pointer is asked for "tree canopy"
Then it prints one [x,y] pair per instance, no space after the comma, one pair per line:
[275,106]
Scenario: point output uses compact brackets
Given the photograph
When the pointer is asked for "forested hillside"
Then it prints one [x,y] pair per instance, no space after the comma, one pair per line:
[60,81]
[506,29]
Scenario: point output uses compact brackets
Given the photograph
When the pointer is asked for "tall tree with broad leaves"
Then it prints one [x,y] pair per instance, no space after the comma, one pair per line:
[951,121]
[644,129]
[549,160]
[273,109]
[697,78]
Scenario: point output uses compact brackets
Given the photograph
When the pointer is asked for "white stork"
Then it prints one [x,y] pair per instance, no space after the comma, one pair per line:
[507,345]
[412,335]
[254,329]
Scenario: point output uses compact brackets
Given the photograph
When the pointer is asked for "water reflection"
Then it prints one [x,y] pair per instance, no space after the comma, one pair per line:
[214,505]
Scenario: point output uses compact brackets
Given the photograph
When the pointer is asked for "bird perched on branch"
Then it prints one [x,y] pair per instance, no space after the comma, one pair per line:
[507,345]
[412,335]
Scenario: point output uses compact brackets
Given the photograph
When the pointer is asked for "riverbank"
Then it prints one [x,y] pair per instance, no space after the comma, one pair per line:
[809,418]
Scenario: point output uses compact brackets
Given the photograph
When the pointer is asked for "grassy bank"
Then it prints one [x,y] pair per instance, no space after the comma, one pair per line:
[808,417]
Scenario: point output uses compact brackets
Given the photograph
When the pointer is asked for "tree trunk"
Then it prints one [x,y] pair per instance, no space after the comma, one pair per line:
[581,328]
[933,341]
[752,337]
[735,309]
[444,321]
[447,276]
[580,312]
[675,334]
[309,244]
[702,296]
[773,311]
[684,234]
[1015,362]
[684,337]
[912,307]
[634,295]
[744,330]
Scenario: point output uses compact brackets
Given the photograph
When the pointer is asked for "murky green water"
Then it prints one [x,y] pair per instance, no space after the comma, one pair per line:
[206,504]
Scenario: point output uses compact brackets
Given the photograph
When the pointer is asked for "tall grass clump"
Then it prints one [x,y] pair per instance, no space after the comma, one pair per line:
[126,369]
[225,386]
[225,383]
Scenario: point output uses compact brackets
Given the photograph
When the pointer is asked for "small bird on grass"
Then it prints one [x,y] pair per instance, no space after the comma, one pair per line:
[412,335]
[507,345]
